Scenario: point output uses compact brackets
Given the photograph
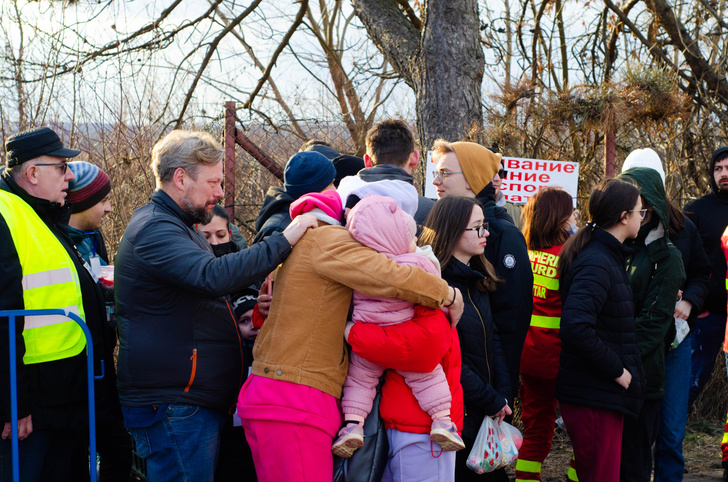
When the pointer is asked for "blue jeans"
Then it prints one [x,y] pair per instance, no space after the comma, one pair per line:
[183,446]
[669,461]
[707,340]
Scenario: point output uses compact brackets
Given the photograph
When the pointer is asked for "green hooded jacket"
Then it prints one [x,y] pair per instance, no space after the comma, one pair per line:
[656,273]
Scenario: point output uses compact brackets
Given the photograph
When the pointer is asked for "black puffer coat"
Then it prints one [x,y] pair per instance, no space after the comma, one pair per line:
[598,337]
[484,375]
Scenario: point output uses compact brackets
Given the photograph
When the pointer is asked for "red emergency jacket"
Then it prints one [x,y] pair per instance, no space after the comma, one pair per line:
[542,348]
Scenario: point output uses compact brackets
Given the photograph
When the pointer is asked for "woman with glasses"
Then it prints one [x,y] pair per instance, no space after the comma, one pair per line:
[458,234]
[656,273]
[600,377]
[548,221]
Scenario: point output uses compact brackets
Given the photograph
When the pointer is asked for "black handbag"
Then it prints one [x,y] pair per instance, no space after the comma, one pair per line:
[368,463]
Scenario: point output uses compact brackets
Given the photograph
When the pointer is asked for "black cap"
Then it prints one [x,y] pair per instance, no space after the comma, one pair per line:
[27,145]
[347,165]
[244,301]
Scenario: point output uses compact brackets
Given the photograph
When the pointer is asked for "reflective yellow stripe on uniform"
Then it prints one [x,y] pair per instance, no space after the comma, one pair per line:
[50,281]
[725,433]
[546,321]
[528,466]
[571,473]
[546,282]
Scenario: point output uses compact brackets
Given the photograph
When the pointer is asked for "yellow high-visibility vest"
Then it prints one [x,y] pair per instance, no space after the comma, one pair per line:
[50,280]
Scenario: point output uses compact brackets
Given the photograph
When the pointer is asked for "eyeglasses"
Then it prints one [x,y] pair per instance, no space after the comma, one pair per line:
[480,230]
[643,212]
[443,174]
[502,173]
[62,165]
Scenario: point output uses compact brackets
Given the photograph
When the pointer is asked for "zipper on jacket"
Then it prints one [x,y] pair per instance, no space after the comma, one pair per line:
[194,369]
[240,348]
[485,339]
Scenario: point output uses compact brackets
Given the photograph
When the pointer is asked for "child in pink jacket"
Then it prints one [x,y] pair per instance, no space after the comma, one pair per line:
[379,223]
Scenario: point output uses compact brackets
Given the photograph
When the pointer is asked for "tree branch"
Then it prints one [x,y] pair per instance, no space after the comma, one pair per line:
[208,56]
[389,28]
[279,49]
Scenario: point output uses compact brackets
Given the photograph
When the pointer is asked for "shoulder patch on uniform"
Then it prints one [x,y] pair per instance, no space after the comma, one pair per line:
[509,261]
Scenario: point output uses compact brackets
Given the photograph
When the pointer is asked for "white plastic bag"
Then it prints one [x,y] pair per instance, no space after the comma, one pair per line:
[495,446]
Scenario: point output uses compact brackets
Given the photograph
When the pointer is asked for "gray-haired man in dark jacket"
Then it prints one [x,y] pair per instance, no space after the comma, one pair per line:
[180,359]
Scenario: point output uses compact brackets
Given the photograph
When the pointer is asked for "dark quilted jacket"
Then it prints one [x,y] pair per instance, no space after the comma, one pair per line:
[484,374]
[598,336]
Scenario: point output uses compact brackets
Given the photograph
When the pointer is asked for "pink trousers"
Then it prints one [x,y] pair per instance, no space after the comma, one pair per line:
[290,429]
[430,389]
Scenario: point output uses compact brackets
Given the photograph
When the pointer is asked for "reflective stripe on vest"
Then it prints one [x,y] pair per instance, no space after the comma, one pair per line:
[546,321]
[50,281]
[548,283]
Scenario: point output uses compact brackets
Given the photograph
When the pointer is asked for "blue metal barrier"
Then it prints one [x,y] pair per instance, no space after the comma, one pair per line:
[11,315]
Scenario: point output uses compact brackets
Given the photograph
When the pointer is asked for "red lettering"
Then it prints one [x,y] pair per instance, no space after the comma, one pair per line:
[529,188]
[516,176]
[511,163]
[515,187]
[527,165]
[569,168]
[541,166]
[529,177]
[555,167]
[544,178]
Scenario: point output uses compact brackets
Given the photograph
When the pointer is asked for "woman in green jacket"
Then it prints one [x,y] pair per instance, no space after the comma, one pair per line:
[656,272]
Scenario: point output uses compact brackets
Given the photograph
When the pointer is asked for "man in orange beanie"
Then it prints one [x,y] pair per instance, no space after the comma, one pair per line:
[467,169]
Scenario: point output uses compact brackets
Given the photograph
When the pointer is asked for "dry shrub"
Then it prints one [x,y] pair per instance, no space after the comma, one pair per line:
[653,95]
[713,401]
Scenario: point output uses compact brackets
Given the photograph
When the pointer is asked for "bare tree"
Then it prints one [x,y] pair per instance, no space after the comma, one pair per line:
[438,54]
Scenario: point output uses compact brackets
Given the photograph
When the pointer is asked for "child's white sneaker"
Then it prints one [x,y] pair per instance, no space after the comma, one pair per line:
[351,437]
[445,433]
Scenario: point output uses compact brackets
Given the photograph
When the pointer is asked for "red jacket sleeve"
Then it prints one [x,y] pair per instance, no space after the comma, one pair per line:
[258,318]
[417,345]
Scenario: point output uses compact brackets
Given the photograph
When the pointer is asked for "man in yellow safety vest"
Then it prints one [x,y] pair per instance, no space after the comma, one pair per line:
[40,268]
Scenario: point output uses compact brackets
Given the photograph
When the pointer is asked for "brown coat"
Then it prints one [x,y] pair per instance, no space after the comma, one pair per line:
[302,341]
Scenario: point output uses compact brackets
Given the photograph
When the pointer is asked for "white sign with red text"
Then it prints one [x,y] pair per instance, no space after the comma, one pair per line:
[525,177]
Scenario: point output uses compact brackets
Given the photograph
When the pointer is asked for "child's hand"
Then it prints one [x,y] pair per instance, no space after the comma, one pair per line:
[347,329]
[265,296]
[455,310]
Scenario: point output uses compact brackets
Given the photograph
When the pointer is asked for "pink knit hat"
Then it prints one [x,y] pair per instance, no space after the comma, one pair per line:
[327,202]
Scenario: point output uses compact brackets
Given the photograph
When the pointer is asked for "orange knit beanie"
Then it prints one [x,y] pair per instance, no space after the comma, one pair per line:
[479,164]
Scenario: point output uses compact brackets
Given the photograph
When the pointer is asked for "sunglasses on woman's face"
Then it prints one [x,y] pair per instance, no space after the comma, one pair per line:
[502,173]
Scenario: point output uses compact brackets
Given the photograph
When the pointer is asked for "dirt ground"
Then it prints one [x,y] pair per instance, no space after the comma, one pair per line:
[701,450]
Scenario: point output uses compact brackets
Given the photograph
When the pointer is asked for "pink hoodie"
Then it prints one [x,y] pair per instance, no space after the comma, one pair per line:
[378,222]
